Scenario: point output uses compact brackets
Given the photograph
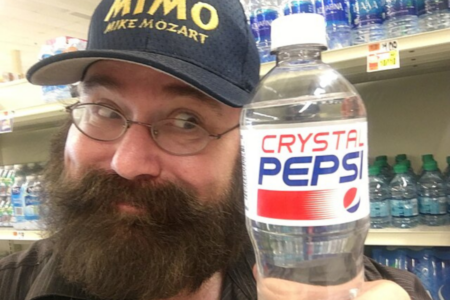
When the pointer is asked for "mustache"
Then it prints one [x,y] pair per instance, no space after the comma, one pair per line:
[165,205]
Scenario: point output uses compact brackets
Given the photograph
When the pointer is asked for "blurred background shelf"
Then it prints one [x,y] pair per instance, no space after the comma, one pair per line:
[419,54]
[419,236]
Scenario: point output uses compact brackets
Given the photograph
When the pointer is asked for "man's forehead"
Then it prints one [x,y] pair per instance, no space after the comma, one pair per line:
[116,75]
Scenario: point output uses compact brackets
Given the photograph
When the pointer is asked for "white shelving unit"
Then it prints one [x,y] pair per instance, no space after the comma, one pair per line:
[420,54]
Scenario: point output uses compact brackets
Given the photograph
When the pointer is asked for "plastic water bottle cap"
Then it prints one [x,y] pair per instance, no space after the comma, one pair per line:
[430,165]
[298,29]
[427,157]
[406,162]
[380,163]
[381,157]
[400,168]
[400,157]
[374,170]
[448,160]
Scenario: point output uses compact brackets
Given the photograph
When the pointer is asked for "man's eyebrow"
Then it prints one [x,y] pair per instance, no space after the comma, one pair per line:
[188,91]
[97,81]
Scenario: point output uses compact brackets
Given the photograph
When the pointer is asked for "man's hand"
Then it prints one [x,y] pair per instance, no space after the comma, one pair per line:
[279,289]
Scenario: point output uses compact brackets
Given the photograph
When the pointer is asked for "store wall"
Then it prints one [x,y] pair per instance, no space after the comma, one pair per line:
[409,115]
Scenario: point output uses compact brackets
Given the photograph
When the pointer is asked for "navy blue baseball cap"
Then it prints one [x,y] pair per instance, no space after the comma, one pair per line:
[207,44]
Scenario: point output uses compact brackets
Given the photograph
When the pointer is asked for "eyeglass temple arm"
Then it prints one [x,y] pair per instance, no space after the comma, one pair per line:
[218,136]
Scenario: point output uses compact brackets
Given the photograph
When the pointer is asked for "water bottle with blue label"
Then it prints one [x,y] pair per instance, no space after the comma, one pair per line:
[404,202]
[262,14]
[367,20]
[433,14]
[379,199]
[304,155]
[401,18]
[432,196]
[337,16]
[290,7]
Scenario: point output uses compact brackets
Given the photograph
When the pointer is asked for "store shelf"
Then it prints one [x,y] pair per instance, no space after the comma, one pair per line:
[11,234]
[40,116]
[419,236]
[419,54]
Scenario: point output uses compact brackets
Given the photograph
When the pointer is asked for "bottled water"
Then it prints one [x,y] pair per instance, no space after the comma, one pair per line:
[304,150]
[400,157]
[410,172]
[427,158]
[367,20]
[385,172]
[432,196]
[401,18]
[379,199]
[433,14]
[404,203]
[337,16]
[17,201]
[384,158]
[262,14]
[290,7]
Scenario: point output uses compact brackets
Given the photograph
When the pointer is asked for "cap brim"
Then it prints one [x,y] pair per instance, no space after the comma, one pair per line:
[69,67]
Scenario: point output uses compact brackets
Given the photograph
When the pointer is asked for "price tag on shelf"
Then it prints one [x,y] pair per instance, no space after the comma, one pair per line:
[19,235]
[6,121]
[383,56]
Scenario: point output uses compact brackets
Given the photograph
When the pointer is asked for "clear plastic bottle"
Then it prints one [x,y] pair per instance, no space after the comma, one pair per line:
[379,199]
[290,7]
[404,203]
[338,19]
[367,21]
[385,171]
[262,14]
[304,150]
[432,196]
[17,202]
[433,14]
[411,173]
[401,18]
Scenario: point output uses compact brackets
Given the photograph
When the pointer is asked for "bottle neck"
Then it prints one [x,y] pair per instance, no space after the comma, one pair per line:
[300,54]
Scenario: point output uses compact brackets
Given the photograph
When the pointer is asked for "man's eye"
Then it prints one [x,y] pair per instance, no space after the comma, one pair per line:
[108,113]
[185,121]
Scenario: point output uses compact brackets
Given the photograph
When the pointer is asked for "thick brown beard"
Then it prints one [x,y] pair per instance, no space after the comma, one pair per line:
[172,248]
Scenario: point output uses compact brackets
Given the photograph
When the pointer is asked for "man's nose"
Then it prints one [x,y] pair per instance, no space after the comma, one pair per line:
[137,154]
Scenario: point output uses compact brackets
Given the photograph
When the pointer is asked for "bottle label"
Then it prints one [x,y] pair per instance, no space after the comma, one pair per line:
[379,209]
[367,12]
[298,7]
[264,19]
[433,206]
[404,208]
[319,8]
[398,8]
[336,12]
[306,175]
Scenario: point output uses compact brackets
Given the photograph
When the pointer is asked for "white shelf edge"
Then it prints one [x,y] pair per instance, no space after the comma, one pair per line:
[355,56]
[11,234]
[419,236]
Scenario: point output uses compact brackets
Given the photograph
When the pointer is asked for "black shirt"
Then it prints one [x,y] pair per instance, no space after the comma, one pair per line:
[33,275]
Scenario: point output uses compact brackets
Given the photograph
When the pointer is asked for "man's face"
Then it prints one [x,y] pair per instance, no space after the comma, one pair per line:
[145,95]
[131,220]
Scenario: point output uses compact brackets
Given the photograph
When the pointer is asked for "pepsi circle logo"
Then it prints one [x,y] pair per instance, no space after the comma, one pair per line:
[351,204]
